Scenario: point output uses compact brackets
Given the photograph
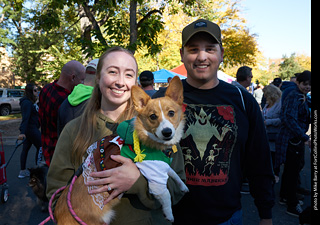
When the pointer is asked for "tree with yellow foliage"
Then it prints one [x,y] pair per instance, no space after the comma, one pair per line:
[240,46]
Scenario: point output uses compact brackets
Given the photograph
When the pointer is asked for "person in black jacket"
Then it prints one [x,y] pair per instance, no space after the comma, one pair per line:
[29,127]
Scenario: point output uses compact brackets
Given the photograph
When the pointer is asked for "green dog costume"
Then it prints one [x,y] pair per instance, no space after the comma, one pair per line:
[152,163]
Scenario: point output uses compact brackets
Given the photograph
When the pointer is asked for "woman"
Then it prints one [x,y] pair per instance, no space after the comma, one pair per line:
[109,105]
[290,144]
[271,116]
[29,127]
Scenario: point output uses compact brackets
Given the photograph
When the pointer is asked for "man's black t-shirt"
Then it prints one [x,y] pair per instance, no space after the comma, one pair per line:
[224,138]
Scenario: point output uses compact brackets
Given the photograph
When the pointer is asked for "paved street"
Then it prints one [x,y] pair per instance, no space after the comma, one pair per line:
[22,208]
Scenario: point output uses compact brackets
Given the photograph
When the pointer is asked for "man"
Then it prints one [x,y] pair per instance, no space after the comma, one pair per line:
[244,77]
[224,137]
[50,99]
[74,105]
[146,79]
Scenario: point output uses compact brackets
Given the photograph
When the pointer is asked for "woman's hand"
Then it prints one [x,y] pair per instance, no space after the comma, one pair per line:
[21,136]
[119,179]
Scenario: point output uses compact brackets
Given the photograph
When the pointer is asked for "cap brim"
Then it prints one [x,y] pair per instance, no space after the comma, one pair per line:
[198,31]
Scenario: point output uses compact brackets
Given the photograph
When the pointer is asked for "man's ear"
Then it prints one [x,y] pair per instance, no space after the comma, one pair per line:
[139,97]
[175,90]
[181,54]
[222,52]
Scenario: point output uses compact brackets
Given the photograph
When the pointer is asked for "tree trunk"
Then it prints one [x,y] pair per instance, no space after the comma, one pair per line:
[85,24]
[85,27]
[95,24]
[133,24]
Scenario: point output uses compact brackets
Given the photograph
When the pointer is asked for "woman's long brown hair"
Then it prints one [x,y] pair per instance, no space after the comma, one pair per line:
[88,122]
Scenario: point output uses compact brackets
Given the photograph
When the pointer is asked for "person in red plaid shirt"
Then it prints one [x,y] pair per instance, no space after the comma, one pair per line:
[50,99]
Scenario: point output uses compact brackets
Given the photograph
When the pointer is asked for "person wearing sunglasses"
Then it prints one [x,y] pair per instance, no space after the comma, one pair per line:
[29,127]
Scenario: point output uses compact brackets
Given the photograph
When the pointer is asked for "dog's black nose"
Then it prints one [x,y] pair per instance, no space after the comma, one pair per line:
[166,132]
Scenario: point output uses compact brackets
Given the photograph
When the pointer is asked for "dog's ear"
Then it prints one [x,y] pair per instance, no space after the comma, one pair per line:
[175,90]
[139,97]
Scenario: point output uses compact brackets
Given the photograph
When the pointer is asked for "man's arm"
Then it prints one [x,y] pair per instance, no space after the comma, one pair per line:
[258,165]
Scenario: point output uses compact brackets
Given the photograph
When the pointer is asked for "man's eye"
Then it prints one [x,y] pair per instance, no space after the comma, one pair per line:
[153,117]
[171,113]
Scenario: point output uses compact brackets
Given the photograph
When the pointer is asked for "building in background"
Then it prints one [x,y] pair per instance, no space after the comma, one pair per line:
[7,78]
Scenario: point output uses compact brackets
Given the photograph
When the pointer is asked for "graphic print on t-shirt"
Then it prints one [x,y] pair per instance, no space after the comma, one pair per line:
[208,142]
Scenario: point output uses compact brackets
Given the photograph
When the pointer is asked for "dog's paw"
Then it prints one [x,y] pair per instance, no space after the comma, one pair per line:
[169,218]
[184,188]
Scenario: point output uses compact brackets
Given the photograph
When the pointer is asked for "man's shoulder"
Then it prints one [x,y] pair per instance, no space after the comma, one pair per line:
[160,93]
[65,106]
[47,87]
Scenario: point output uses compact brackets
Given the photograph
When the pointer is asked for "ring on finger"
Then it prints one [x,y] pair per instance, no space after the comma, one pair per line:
[109,188]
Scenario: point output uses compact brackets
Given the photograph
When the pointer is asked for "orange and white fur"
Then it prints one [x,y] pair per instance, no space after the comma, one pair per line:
[159,124]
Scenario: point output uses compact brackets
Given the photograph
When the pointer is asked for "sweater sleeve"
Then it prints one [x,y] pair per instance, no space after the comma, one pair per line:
[140,188]
[26,109]
[61,168]
[258,166]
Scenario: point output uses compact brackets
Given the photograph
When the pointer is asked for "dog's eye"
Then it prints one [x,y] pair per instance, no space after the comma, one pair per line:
[153,117]
[171,113]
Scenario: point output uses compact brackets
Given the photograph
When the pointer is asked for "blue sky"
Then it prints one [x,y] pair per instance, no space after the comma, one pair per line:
[282,26]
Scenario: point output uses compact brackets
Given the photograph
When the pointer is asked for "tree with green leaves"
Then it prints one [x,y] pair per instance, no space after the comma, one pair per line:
[288,67]
[105,23]
[45,34]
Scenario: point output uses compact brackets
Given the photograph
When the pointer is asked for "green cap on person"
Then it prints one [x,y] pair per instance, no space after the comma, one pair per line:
[201,25]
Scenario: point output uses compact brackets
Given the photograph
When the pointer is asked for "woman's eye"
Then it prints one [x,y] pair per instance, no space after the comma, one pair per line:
[153,117]
[171,113]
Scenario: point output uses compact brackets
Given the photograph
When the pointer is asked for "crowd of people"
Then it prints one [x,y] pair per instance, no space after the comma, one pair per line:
[286,111]
[231,136]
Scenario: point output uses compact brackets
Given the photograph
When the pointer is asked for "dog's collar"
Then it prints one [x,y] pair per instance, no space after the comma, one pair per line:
[140,157]
[102,154]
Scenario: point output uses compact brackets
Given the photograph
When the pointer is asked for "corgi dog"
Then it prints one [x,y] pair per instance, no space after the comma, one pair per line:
[155,131]
[159,126]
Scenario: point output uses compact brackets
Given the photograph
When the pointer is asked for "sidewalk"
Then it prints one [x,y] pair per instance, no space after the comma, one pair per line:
[9,130]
